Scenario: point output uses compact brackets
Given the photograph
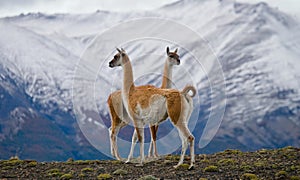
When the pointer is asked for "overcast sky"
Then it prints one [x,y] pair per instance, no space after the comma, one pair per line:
[15,7]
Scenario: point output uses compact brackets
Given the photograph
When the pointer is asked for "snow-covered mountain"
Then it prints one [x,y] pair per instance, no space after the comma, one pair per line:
[258,48]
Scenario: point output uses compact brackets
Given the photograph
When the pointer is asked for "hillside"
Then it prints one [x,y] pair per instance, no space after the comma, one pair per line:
[230,164]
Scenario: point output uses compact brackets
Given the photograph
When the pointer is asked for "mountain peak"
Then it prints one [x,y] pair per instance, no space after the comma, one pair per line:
[193,2]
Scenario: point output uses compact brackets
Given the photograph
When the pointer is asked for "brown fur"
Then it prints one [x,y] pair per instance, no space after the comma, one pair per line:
[114,101]
[178,104]
[139,135]
[188,88]
[153,130]
[174,107]
[142,95]
[113,113]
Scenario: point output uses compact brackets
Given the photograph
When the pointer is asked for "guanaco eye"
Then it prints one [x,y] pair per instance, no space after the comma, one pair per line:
[116,57]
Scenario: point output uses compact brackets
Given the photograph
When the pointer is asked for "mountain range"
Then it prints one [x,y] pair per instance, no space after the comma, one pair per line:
[53,102]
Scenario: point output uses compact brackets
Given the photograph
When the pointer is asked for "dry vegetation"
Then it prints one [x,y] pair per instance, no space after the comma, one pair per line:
[231,164]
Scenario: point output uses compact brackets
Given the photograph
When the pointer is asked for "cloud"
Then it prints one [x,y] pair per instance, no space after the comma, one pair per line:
[14,7]
[12,3]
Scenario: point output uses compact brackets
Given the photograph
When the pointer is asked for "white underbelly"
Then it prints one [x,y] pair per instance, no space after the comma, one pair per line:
[152,114]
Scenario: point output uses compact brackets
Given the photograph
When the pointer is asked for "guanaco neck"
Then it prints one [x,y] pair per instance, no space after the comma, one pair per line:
[128,84]
[167,77]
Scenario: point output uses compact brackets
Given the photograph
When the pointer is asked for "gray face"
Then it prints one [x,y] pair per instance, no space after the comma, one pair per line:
[116,61]
[173,58]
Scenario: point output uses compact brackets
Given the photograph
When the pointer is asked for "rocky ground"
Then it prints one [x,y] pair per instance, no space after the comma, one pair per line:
[231,164]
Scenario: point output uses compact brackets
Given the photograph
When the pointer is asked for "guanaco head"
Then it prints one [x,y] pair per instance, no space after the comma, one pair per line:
[173,57]
[118,59]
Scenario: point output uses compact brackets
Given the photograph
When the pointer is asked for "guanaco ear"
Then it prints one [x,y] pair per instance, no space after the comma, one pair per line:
[119,50]
[122,52]
[176,50]
[168,50]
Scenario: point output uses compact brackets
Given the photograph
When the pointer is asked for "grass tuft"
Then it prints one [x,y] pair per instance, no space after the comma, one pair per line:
[120,172]
[281,174]
[83,162]
[54,172]
[249,176]
[32,164]
[116,162]
[66,176]
[184,166]
[246,167]
[104,176]
[211,169]
[87,169]
[204,161]
[173,157]
[13,161]
[148,177]
[295,178]
[233,151]
[260,164]
[226,161]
